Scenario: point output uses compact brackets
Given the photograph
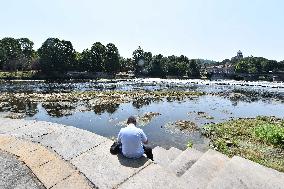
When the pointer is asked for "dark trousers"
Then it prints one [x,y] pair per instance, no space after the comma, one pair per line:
[148,152]
[116,149]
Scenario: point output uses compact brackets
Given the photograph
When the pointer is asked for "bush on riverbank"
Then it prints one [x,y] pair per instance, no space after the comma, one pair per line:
[260,140]
[271,133]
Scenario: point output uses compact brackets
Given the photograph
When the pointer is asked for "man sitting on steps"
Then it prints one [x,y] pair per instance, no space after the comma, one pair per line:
[132,140]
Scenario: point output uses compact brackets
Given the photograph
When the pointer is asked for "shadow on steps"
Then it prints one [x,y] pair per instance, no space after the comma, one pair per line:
[134,163]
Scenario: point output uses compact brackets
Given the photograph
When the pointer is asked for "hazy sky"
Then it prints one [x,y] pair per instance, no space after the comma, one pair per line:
[209,29]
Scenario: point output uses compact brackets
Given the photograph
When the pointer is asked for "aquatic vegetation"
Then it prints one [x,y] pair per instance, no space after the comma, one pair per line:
[109,108]
[147,117]
[59,109]
[184,126]
[62,104]
[250,95]
[13,115]
[201,115]
[259,139]
[142,120]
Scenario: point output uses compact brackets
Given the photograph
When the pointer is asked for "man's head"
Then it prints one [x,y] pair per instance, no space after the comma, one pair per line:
[132,120]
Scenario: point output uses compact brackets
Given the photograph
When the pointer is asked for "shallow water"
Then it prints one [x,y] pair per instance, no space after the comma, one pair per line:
[105,120]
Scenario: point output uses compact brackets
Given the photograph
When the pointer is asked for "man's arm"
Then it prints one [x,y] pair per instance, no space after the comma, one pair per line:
[119,137]
[144,137]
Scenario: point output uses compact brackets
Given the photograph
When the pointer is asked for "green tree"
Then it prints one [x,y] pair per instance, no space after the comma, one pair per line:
[177,66]
[241,67]
[269,65]
[98,52]
[3,55]
[193,69]
[171,68]
[256,65]
[112,59]
[126,64]
[35,61]
[85,61]
[28,54]
[157,66]
[281,65]
[139,55]
[10,53]
[249,65]
[56,55]
[77,65]
[27,47]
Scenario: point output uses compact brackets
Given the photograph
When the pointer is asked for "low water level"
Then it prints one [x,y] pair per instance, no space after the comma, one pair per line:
[224,100]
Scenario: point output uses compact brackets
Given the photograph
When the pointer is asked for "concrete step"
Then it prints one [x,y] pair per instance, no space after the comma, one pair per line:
[70,142]
[9,125]
[33,129]
[175,151]
[242,173]
[205,169]
[184,161]
[105,170]
[155,177]
[164,157]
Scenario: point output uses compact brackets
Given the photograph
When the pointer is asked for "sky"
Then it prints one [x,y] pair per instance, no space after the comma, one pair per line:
[208,29]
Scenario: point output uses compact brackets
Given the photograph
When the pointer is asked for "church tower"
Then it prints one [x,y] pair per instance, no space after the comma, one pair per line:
[240,55]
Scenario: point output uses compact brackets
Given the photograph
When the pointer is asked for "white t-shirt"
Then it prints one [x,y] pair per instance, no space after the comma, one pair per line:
[132,139]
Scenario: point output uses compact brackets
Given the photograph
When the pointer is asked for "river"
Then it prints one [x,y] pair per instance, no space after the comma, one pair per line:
[223,100]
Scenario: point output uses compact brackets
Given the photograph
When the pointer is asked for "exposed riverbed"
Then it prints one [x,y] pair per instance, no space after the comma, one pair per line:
[169,111]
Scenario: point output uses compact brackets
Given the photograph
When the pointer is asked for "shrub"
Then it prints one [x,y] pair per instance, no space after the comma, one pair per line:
[270,133]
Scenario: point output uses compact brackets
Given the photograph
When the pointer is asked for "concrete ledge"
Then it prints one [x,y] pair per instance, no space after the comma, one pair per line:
[184,161]
[242,174]
[154,177]
[47,166]
[165,157]
[106,170]
[205,169]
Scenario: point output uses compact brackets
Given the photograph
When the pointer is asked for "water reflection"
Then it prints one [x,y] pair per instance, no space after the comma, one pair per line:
[59,109]
[15,98]
[19,106]
[109,108]
[139,103]
[21,103]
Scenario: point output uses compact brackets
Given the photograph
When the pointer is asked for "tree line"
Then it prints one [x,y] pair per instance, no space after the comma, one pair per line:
[258,65]
[59,56]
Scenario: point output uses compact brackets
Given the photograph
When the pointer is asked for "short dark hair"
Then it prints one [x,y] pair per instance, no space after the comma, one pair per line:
[131,119]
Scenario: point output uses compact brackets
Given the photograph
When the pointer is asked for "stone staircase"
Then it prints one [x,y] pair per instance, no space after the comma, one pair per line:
[190,169]
[214,170]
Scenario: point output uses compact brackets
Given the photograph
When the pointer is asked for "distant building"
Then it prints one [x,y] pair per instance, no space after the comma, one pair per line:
[229,69]
[239,55]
